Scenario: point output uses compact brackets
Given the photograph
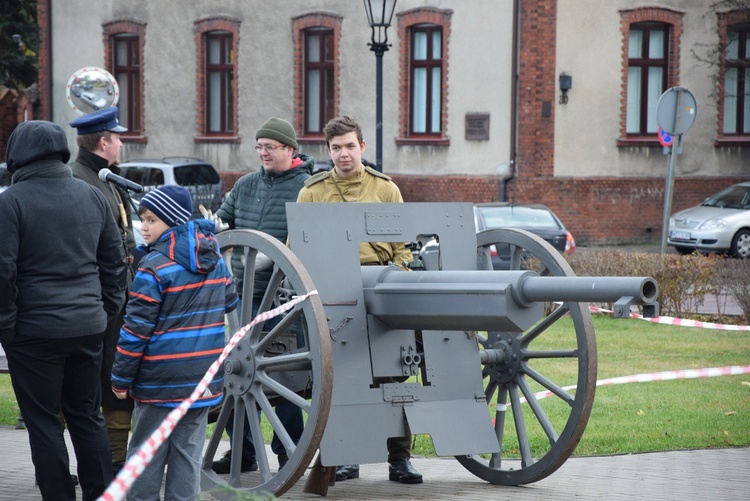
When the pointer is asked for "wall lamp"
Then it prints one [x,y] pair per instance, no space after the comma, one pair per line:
[566,83]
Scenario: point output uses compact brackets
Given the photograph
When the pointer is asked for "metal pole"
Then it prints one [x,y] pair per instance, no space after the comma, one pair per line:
[379,107]
[670,176]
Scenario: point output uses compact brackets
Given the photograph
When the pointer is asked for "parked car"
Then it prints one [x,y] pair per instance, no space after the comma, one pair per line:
[4,177]
[720,224]
[535,218]
[197,176]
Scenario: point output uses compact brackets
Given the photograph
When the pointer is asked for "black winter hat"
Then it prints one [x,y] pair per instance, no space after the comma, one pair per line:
[280,130]
[34,140]
[171,203]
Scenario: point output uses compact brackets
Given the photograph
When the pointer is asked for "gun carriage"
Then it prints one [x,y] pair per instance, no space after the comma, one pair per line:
[460,352]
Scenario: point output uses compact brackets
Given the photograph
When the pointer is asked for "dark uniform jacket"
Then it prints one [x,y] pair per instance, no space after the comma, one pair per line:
[86,167]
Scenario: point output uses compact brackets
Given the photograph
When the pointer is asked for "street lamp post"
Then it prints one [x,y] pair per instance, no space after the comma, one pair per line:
[379,15]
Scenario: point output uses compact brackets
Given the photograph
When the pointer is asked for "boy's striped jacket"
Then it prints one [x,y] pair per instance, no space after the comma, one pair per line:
[174,322]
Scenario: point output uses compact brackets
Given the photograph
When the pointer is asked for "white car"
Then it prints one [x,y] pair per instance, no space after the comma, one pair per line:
[720,224]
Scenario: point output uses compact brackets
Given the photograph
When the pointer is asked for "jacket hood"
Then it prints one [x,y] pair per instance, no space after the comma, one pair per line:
[192,245]
[306,167]
[35,140]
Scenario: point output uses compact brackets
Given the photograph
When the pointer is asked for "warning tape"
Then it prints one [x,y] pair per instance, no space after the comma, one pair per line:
[138,462]
[732,370]
[682,322]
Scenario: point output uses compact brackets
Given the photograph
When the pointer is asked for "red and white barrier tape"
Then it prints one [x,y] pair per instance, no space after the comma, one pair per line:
[732,370]
[682,322]
[137,463]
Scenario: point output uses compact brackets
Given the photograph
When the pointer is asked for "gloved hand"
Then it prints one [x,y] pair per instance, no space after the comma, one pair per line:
[263,262]
[220,225]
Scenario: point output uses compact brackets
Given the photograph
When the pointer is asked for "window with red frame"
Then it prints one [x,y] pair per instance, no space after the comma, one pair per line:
[126,52]
[648,65]
[319,79]
[426,80]
[737,81]
[219,85]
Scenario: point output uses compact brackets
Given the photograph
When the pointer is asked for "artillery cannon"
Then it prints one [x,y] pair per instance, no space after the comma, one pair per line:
[445,352]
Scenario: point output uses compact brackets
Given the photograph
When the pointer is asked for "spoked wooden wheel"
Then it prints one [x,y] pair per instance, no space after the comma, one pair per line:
[546,361]
[285,361]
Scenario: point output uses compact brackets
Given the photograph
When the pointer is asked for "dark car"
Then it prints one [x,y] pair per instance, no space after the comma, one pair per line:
[535,218]
[197,176]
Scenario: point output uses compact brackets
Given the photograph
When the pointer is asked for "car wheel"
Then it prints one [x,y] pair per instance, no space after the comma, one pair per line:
[741,244]
[684,250]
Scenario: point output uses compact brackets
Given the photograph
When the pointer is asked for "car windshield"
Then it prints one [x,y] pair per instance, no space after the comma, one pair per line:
[734,197]
[192,175]
[518,217]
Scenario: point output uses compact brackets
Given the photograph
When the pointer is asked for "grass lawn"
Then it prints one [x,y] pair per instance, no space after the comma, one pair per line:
[636,417]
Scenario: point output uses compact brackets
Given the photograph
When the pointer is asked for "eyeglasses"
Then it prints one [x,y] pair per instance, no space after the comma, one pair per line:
[268,148]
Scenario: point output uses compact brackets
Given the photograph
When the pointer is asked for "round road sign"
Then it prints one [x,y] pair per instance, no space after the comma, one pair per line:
[676,110]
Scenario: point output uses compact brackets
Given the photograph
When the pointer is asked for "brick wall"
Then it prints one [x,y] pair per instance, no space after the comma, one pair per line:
[597,211]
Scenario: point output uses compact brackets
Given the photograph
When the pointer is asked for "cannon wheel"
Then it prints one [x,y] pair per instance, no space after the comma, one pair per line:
[248,371]
[543,432]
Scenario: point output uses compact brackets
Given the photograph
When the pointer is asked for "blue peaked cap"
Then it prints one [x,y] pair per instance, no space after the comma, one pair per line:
[97,121]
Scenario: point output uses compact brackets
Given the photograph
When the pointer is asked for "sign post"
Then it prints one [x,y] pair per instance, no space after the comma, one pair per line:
[675,114]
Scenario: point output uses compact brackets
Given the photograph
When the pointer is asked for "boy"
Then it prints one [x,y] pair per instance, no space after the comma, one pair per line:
[173,332]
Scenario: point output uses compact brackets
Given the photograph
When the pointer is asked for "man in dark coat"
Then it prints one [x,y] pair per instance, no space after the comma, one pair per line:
[62,276]
[99,148]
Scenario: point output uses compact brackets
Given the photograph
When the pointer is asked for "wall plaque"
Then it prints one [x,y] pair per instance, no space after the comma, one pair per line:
[477,126]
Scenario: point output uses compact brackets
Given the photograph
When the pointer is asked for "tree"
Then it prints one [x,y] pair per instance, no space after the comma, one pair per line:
[19,42]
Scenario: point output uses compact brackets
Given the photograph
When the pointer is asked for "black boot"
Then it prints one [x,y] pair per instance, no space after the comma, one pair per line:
[346,472]
[402,471]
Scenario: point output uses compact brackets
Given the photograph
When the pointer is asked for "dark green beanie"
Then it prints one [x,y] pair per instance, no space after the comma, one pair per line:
[278,129]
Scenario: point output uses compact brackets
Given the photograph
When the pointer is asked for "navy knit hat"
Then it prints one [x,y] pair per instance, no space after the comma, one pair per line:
[172,204]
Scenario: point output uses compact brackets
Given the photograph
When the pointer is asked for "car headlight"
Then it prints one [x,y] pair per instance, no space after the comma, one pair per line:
[712,224]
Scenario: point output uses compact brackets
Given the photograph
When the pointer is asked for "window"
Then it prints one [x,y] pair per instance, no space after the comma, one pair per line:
[737,81]
[219,83]
[216,43]
[423,61]
[319,79]
[652,39]
[124,59]
[316,73]
[127,72]
[648,68]
[426,77]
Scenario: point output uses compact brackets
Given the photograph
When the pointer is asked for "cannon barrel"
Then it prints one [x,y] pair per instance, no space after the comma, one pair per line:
[485,300]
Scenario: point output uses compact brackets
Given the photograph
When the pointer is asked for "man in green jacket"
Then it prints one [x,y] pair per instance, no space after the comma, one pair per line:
[258,202]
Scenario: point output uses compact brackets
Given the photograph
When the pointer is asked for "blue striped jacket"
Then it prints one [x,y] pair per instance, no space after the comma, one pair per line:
[174,322]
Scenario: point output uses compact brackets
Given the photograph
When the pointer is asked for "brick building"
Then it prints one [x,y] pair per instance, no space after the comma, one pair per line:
[473,103]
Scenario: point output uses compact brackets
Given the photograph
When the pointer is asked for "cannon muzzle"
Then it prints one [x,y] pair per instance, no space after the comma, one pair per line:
[488,300]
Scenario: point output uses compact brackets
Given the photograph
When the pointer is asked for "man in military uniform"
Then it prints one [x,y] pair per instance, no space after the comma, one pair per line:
[351,181]
[99,148]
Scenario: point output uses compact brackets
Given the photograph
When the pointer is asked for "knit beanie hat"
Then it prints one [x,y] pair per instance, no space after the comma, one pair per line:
[278,129]
[172,204]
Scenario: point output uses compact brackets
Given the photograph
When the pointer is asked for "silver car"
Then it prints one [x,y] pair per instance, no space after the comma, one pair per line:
[720,224]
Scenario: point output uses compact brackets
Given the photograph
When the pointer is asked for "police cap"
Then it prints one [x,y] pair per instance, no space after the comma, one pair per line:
[97,121]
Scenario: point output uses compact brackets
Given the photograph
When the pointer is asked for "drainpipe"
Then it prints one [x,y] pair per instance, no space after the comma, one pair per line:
[513,101]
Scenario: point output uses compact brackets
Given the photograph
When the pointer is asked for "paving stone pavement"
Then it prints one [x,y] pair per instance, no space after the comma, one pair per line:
[716,474]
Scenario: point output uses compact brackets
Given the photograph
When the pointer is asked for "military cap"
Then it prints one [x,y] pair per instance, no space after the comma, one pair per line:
[97,121]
